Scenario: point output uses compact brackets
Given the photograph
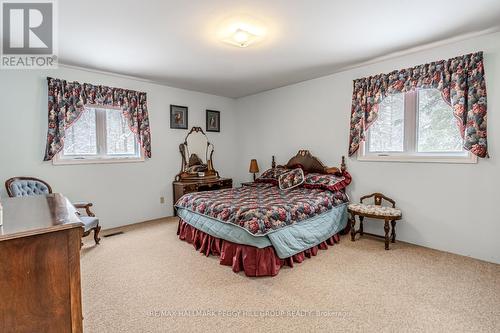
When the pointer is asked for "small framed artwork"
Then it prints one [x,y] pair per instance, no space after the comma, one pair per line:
[178,116]
[213,121]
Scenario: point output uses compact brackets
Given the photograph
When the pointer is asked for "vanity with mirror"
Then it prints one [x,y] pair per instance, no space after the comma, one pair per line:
[197,168]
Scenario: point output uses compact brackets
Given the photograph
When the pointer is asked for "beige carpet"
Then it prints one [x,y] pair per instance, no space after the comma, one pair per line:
[134,282]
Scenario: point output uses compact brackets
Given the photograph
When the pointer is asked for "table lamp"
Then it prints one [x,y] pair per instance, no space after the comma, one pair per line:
[254,167]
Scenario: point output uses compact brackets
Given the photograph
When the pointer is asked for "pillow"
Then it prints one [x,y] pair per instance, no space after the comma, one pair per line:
[291,179]
[332,182]
[271,175]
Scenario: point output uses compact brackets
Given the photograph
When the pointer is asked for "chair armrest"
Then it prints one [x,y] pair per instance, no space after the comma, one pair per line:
[84,205]
[366,197]
[378,199]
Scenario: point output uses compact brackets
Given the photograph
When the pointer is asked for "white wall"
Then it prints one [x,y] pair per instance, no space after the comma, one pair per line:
[448,207]
[122,193]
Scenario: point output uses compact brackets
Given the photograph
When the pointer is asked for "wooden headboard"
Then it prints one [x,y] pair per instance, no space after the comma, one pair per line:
[311,163]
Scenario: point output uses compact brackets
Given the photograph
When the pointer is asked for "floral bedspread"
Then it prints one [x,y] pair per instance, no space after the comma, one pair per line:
[262,208]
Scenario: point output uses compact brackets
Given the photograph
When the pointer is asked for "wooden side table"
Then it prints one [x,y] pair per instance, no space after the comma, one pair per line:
[376,211]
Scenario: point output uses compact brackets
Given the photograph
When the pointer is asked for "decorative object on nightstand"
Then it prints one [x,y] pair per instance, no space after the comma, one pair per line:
[254,167]
[376,211]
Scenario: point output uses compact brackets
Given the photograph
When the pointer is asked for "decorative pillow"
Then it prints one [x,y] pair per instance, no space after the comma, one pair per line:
[332,182]
[291,179]
[271,175]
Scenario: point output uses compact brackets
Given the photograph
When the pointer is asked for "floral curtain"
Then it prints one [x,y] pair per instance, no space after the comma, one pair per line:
[460,80]
[68,99]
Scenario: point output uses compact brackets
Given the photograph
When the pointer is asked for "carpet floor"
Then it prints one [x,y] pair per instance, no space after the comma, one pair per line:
[147,280]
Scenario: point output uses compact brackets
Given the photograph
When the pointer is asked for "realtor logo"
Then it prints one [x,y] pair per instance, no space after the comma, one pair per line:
[28,34]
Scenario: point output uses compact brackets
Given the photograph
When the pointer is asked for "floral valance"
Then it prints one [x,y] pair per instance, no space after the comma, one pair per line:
[68,99]
[460,80]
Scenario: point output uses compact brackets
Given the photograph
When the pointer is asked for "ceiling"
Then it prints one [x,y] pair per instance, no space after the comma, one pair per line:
[175,43]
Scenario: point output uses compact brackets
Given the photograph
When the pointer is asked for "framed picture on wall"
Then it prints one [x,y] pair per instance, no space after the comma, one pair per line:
[213,121]
[178,116]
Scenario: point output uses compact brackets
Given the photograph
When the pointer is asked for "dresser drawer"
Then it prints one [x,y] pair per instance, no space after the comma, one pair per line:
[223,184]
[180,188]
[189,189]
[227,183]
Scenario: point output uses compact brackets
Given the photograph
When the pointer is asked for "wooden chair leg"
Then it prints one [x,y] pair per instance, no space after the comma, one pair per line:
[393,232]
[97,239]
[353,227]
[386,229]
[361,218]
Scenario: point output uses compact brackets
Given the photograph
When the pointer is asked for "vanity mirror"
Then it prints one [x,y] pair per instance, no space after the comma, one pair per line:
[197,171]
[196,152]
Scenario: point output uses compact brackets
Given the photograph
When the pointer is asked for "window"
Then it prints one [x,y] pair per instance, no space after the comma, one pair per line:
[99,135]
[417,126]
[437,130]
[387,133]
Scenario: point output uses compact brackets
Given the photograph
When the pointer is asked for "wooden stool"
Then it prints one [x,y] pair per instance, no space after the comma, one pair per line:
[376,211]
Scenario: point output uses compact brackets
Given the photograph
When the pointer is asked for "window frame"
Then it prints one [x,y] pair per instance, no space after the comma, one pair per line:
[410,140]
[101,144]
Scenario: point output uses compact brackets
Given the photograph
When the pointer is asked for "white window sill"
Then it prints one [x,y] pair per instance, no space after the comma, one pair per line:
[75,161]
[411,157]
[470,159]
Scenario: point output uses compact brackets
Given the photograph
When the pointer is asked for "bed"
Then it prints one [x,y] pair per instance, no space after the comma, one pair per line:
[264,226]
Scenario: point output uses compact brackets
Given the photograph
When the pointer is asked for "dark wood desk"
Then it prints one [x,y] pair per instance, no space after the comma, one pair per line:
[40,265]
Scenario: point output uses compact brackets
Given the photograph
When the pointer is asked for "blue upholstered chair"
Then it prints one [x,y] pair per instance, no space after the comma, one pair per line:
[27,186]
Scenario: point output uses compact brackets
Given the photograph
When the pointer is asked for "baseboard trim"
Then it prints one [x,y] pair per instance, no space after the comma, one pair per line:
[134,224]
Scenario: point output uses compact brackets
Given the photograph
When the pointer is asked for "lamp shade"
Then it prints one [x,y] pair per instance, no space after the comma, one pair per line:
[254,167]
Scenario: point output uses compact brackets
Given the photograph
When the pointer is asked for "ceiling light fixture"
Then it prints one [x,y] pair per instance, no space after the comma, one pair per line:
[241,31]
[241,38]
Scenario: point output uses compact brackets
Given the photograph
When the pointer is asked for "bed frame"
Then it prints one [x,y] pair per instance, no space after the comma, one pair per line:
[252,260]
[310,163]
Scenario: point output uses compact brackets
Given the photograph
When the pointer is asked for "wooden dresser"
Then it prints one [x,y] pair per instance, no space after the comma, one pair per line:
[40,265]
[188,186]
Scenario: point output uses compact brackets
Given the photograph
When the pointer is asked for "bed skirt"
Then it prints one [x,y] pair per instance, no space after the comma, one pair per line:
[252,260]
